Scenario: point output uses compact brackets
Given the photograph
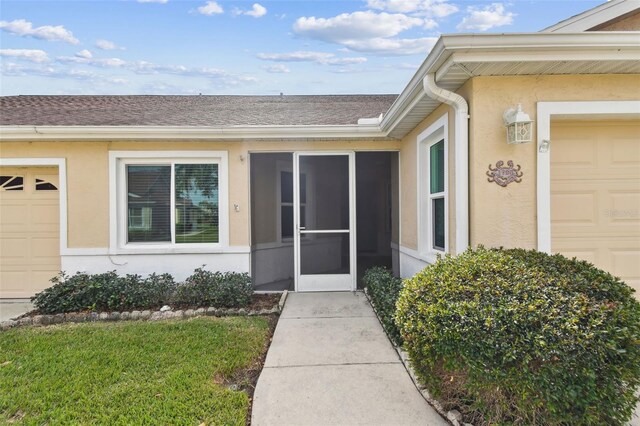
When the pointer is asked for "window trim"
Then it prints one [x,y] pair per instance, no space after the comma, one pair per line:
[118,160]
[435,133]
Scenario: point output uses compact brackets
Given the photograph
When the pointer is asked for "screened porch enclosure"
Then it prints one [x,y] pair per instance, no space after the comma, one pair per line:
[347,212]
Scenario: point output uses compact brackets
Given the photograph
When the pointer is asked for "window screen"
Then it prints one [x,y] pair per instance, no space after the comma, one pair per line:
[194,204]
[437,195]
[149,203]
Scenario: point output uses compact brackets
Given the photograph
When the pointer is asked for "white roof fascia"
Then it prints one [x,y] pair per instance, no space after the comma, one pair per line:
[407,99]
[594,17]
[533,47]
[92,133]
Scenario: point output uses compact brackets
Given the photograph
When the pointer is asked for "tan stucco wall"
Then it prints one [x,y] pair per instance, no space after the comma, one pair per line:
[88,177]
[507,216]
[409,180]
[628,23]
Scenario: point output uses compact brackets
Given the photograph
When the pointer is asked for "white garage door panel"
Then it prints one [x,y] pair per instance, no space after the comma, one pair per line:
[595,195]
[29,233]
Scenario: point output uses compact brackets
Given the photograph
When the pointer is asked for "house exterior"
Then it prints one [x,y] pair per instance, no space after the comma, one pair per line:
[305,192]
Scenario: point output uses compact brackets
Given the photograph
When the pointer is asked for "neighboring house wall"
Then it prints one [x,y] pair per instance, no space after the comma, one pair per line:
[628,23]
[507,216]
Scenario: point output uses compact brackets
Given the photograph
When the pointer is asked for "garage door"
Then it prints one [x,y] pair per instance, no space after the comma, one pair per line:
[29,230]
[595,195]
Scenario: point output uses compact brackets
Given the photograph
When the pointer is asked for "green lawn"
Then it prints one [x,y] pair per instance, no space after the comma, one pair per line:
[130,373]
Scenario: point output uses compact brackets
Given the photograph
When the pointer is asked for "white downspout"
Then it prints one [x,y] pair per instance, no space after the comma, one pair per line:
[461,151]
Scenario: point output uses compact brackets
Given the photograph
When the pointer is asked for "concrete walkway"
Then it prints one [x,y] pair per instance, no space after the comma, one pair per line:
[330,363]
[11,308]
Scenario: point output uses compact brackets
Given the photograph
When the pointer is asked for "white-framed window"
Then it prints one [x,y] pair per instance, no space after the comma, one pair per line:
[169,200]
[437,197]
[284,195]
[433,189]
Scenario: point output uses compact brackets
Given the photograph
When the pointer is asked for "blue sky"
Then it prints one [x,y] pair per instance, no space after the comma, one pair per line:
[235,47]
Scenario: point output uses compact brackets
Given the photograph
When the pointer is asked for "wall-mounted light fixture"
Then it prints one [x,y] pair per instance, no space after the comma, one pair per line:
[518,125]
[544,146]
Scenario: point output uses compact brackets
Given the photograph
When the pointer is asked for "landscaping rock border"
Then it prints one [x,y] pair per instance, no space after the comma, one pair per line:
[146,315]
[454,417]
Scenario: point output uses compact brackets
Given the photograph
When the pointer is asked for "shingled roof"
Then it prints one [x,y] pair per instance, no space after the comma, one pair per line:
[190,110]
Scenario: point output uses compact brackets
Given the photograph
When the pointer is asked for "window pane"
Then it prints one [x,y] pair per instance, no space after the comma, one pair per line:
[42,185]
[148,205]
[196,203]
[438,224]
[286,187]
[12,183]
[436,155]
[286,221]
[303,188]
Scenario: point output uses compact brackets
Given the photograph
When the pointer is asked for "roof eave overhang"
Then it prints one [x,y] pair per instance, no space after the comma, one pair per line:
[448,51]
[172,133]
[526,47]
[595,17]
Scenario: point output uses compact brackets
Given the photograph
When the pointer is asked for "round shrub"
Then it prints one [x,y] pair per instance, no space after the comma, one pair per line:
[522,337]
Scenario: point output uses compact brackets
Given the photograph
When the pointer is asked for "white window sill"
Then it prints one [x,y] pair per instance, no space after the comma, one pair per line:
[161,249]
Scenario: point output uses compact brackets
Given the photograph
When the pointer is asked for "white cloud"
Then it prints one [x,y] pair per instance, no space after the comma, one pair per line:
[153,1]
[407,66]
[144,67]
[393,46]
[257,11]
[431,8]
[276,69]
[429,24]
[84,53]
[493,15]
[210,8]
[107,45]
[23,28]
[368,32]
[355,26]
[15,70]
[33,55]
[96,62]
[323,58]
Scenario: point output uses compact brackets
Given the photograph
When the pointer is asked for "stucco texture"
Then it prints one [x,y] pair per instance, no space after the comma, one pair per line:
[409,180]
[506,216]
[88,177]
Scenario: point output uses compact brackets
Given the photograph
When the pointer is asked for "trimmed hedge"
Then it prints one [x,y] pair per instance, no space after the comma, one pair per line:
[522,337]
[110,292]
[104,292]
[206,288]
[384,289]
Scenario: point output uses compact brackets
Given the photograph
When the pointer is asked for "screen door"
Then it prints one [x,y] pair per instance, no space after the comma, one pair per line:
[324,218]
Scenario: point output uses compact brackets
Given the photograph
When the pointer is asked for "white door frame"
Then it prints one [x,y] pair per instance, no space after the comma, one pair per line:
[337,282]
[545,110]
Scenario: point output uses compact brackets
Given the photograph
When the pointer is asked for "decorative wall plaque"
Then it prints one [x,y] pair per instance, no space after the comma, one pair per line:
[504,175]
